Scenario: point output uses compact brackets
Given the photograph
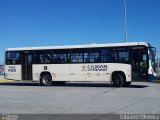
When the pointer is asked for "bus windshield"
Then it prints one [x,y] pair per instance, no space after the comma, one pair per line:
[152,57]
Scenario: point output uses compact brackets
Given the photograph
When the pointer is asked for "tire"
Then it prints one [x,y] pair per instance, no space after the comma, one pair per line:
[46,80]
[118,80]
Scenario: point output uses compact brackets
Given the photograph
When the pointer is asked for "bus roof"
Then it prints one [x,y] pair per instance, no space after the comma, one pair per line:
[78,46]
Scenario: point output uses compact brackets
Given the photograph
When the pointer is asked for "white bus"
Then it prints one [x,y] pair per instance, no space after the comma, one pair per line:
[118,63]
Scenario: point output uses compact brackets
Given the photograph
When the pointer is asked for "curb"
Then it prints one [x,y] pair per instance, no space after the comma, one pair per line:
[1,81]
[157,81]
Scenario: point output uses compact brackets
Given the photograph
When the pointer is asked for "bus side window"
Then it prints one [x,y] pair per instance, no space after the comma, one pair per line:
[86,56]
[14,62]
[47,58]
[76,56]
[9,62]
[104,55]
[98,59]
[143,61]
[120,54]
[124,56]
[12,57]
[135,58]
[114,56]
[95,55]
[60,56]
[38,57]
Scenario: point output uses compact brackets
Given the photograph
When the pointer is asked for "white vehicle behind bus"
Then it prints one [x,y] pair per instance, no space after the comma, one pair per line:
[118,63]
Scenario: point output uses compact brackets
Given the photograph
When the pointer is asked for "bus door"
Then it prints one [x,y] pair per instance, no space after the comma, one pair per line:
[27,60]
[139,64]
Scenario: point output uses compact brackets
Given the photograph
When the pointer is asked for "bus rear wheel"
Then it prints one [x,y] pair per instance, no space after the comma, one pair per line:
[118,80]
[46,80]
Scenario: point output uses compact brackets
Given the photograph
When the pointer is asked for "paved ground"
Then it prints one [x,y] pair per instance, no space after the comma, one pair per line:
[79,98]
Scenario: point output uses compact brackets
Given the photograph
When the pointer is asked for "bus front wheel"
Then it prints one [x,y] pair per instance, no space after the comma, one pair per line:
[46,80]
[118,80]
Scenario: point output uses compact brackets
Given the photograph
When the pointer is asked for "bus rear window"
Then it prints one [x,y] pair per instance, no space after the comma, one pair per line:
[12,58]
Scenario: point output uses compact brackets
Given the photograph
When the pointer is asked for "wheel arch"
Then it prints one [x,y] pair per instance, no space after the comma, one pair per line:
[119,72]
[45,72]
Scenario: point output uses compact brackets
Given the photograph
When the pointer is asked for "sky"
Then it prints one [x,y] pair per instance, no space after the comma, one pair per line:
[31,23]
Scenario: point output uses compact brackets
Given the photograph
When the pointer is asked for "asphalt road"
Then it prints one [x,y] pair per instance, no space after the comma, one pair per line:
[79,98]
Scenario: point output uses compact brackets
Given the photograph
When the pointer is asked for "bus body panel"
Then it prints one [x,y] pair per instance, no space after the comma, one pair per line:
[77,73]
[82,72]
[59,72]
[100,71]
[13,72]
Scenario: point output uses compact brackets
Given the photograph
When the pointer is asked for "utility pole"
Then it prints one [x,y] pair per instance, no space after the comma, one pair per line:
[158,60]
[125,20]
